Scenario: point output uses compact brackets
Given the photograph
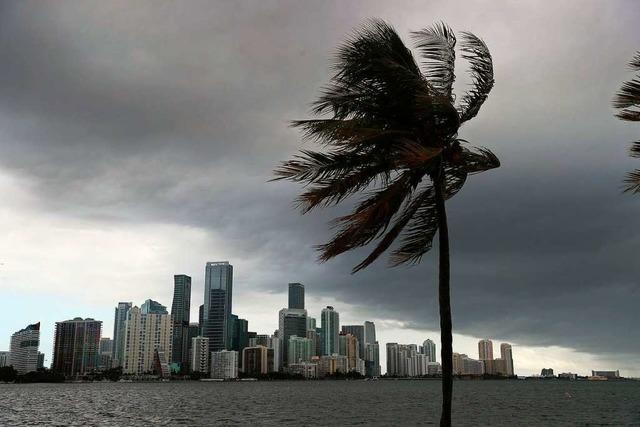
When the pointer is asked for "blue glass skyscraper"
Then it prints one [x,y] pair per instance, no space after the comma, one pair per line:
[218,290]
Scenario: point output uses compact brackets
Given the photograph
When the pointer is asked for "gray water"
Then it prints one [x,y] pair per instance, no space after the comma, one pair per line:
[476,403]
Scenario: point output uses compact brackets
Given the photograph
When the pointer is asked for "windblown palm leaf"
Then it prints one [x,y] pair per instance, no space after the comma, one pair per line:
[392,130]
[627,101]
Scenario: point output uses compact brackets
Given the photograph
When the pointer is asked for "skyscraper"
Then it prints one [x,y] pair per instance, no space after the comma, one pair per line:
[106,352]
[485,354]
[24,349]
[358,332]
[330,321]
[118,333]
[218,290]
[349,346]
[299,350]
[296,296]
[372,360]
[76,346]
[507,356]
[291,322]
[147,329]
[5,358]
[369,332]
[180,309]
[429,349]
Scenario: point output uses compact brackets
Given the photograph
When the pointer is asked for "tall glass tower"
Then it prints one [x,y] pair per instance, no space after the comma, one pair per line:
[296,296]
[218,289]
[330,320]
[119,323]
[180,318]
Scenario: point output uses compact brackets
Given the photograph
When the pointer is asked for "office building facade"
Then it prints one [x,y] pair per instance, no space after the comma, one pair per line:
[24,349]
[224,364]
[180,315]
[76,347]
[119,322]
[296,296]
[330,324]
[148,329]
[218,291]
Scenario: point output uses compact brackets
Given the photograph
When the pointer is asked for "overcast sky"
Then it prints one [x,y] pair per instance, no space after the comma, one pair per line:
[136,141]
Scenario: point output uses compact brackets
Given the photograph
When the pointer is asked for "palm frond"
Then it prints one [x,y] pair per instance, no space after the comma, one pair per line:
[370,218]
[634,64]
[634,151]
[481,69]
[437,46]
[632,182]
[417,238]
[628,101]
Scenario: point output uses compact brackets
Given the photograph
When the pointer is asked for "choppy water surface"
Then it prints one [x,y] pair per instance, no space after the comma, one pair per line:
[508,403]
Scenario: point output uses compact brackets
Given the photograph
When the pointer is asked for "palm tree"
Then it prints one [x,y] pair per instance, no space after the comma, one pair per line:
[627,100]
[392,134]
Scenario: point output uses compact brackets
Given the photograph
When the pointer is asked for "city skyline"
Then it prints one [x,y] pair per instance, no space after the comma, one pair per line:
[99,178]
[149,305]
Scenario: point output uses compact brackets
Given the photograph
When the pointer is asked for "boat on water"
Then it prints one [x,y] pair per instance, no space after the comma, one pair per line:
[208,380]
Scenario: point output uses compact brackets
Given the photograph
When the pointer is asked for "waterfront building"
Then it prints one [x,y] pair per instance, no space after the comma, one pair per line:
[24,349]
[296,296]
[361,367]
[429,349]
[606,374]
[148,329]
[224,364]
[349,346]
[300,349]
[331,365]
[306,369]
[218,292]
[201,318]
[464,365]
[372,359]
[485,354]
[200,354]
[546,372]
[105,350]
[369,332]
[434,368]
[119,322]
[500,367]
[192,332]
[330,324]
[257,360]
[239,336]
[180,314]
[76,347]
[507,355]
[358,332]
[161,365]
[291,322]
[4,358]
[392,359]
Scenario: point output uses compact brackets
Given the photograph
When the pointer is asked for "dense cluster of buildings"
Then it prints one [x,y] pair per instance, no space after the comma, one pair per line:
[150,340]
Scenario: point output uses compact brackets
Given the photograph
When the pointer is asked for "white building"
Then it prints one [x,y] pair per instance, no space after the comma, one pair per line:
[507,355]
[429,349]
[200,354]
[146,331]
[24,349]
[224,364]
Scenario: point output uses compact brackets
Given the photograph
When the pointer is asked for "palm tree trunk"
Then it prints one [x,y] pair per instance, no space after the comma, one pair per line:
[446,339]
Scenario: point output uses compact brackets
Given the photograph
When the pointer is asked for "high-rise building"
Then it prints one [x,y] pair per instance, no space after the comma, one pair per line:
[464,365]
[76,346]
[485,354]
[315,341]
[330,365]
[106,351]
[147,329]
[372,360]
[291,322]
[299,349]
[257,360]
[224,364]
[296,296]
[118,333]
[40,360]
[24,349]
[429,349]
[201,317]
[180,313]
[392,359]
[330,321]
[358,332]
[4,358]
[507,355]
[308,370]
[193,331]
[349,346]
[218,291]
[369,332]
[200,354]
[311,324]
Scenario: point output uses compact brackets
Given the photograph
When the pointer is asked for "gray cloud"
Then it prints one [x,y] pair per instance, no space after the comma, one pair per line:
[177,114]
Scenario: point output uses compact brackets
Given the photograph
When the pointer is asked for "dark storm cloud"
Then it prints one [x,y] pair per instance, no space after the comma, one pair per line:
[177,114]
